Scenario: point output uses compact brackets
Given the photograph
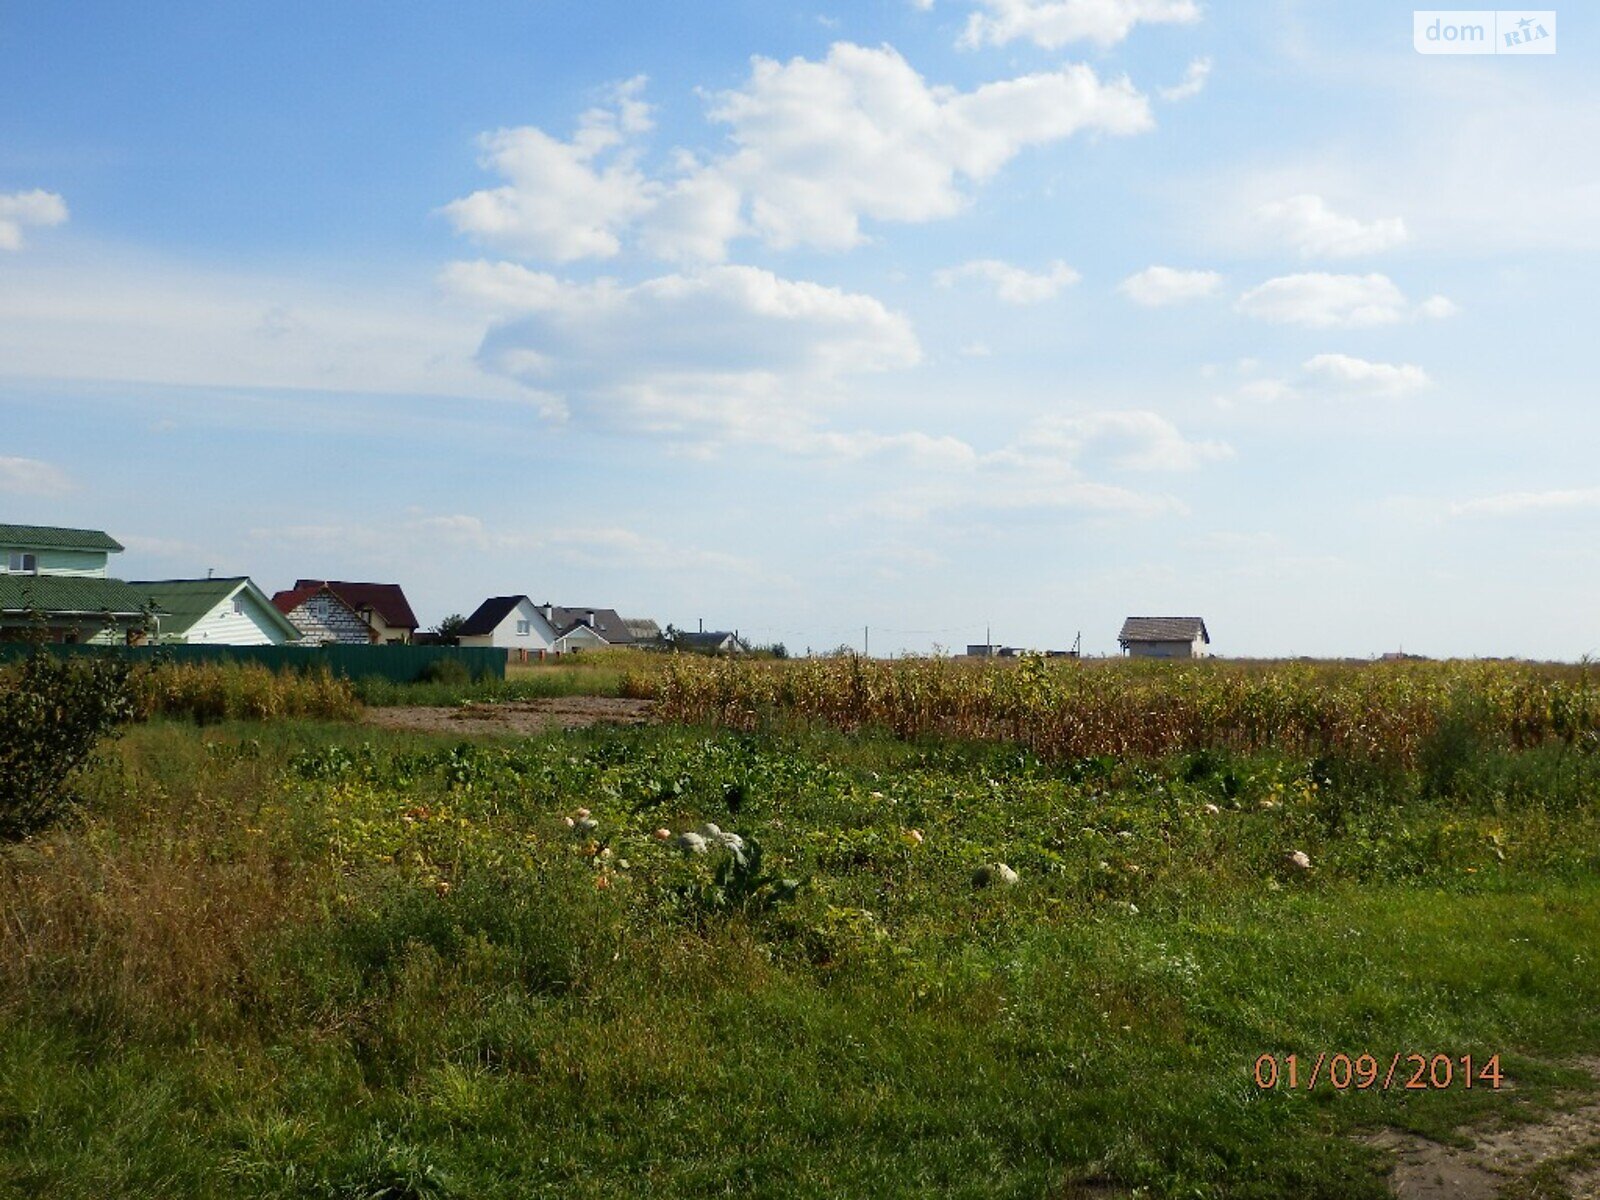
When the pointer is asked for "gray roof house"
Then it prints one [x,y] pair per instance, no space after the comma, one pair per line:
[707,642]
[1164,637]
[517,623]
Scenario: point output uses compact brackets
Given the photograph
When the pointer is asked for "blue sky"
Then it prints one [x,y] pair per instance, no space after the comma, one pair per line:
[930,317]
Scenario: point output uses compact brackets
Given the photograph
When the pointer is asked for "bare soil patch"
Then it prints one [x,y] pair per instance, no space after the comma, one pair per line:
[523,716]
[1499,1158]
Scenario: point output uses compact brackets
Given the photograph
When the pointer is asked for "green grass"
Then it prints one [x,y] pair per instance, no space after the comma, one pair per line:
[301,959]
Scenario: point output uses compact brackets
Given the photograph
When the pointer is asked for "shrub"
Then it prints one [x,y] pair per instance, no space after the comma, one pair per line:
[53,714]
[445,670]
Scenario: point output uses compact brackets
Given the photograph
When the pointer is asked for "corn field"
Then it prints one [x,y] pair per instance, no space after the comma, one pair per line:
[1082,709]
[235,692]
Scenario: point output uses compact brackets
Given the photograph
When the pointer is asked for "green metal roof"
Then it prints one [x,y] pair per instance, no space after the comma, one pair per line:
[69,594]
[186,601]
[51,537]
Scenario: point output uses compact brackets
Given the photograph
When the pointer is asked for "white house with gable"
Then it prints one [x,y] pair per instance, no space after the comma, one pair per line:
[509,623]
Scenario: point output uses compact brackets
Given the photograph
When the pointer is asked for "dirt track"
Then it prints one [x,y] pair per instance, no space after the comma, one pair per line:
[1499,1158]
[524,717]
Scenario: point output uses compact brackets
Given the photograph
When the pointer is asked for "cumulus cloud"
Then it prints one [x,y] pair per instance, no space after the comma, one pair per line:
[1052,24]
[562,200]
[30,477]
[817,148]
[1371,378]
[1517,504]
[1054,464]
[1306,224]
[1012,284]
[1131,440]
[1329,375]
[1318,300]
[1192,84]
[1158,286]
[21,209]
[860,134]
[728,353]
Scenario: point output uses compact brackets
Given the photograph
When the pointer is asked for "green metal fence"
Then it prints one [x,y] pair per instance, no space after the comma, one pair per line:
[399,664]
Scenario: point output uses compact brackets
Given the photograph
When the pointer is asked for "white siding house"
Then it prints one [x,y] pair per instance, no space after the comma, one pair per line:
[509,623]
[218,612]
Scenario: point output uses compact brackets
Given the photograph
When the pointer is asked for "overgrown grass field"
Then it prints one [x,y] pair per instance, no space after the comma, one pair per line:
[303,957]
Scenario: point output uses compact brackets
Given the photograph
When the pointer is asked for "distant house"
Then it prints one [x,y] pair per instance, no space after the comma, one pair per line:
[54,586]
[1164,637]
[990,650]
[323,618]
[510,623]
[720,642]
[383,606]
[217,612]
[517,623]
[644,631]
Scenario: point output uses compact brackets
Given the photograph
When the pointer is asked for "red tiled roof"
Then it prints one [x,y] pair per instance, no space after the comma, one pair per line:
[292,598]
[385,599]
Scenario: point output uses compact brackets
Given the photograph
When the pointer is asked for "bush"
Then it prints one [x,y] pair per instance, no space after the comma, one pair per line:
[53,713]
[445,670]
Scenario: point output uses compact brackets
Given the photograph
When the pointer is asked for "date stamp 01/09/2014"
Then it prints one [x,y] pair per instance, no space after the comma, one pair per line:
[1401,1071]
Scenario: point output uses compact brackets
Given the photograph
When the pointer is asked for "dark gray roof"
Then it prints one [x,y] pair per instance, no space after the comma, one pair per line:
[605,622]
[489,614]
[704,641]
[1163,629]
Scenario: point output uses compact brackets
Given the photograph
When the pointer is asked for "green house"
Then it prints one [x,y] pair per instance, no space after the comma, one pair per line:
[55,586]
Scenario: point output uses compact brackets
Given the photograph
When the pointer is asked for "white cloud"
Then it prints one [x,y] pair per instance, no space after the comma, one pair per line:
[1051,24]
[563,200]
[1012,284]
[1318,300]
[1309,226]
[726,354]
[1133,440]
[1372,378]
[822,145]
[1157,286]
[19,209]
[1193,83]
[817,148]
[1050,465]
[30,477]
[1515,504]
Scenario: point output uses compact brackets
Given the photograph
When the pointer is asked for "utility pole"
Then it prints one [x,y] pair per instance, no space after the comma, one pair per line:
[866,641]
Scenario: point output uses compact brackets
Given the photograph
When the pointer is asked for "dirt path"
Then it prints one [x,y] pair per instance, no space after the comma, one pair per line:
[525,717]
[1498,1159]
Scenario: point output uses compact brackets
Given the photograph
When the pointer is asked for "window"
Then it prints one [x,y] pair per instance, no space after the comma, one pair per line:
[28,563]
[238,608]
[524,628]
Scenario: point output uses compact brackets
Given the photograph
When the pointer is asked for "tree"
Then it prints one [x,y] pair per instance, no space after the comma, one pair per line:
[449,629]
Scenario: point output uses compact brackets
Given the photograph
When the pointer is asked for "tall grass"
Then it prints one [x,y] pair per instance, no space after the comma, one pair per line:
[1081,709]
[207,692]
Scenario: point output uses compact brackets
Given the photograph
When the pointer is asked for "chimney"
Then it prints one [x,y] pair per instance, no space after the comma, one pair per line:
[702,624]
[548,612]
[591,618]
